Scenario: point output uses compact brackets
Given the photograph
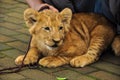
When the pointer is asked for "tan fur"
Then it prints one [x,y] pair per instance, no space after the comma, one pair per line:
[63,38]
[116,45]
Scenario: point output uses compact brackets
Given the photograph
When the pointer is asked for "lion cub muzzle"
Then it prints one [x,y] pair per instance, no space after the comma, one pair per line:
[56,43]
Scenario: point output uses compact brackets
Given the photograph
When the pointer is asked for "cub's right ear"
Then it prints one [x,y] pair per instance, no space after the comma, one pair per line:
[30,16]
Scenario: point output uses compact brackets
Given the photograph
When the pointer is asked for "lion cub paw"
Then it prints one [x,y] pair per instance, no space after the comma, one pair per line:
[116,45]
[51,62]
[80,61]
[28,60]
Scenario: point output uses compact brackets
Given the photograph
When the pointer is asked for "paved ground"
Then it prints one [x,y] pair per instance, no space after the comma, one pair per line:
[14,39]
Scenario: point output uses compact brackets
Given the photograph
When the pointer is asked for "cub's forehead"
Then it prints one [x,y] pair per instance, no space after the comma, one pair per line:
[49,14]
[49,18]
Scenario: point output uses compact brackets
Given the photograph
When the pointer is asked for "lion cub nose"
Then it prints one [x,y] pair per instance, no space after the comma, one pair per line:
[56,40]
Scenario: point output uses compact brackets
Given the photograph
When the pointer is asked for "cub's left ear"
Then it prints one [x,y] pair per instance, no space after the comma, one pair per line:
[66,15]
[30,17]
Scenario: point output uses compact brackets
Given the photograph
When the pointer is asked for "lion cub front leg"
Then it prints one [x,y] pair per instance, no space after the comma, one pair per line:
[96,47]
[91,56]
[101,37]
[32,57]
[54,61]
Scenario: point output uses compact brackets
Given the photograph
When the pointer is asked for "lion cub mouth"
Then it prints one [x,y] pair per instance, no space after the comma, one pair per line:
[54,46]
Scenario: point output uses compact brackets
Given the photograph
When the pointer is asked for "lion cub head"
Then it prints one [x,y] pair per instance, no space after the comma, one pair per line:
[48,27]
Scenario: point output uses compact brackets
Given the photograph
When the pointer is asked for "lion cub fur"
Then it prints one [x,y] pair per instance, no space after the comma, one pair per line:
[60,38]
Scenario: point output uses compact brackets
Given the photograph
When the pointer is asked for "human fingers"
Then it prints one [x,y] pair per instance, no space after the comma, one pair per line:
[53,8]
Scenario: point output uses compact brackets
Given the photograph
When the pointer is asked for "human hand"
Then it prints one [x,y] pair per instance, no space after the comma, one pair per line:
[47,6]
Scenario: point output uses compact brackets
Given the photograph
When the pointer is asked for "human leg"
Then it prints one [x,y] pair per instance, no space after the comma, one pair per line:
[115,10]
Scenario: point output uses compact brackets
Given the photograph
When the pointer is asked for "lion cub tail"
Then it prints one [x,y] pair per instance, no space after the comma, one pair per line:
[116,45]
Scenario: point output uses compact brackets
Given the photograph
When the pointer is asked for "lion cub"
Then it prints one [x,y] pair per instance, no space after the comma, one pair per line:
[63,38]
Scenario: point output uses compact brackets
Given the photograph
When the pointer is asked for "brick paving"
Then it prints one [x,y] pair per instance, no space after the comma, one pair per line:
[14,38]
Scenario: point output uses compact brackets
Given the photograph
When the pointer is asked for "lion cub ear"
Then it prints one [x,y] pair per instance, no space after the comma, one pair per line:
[30,16]
[66,15]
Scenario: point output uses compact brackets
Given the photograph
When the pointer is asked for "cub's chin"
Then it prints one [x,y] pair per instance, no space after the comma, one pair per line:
[52,47]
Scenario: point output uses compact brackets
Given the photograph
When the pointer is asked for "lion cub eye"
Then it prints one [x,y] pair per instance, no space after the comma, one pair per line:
[47,28]
[60,28]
